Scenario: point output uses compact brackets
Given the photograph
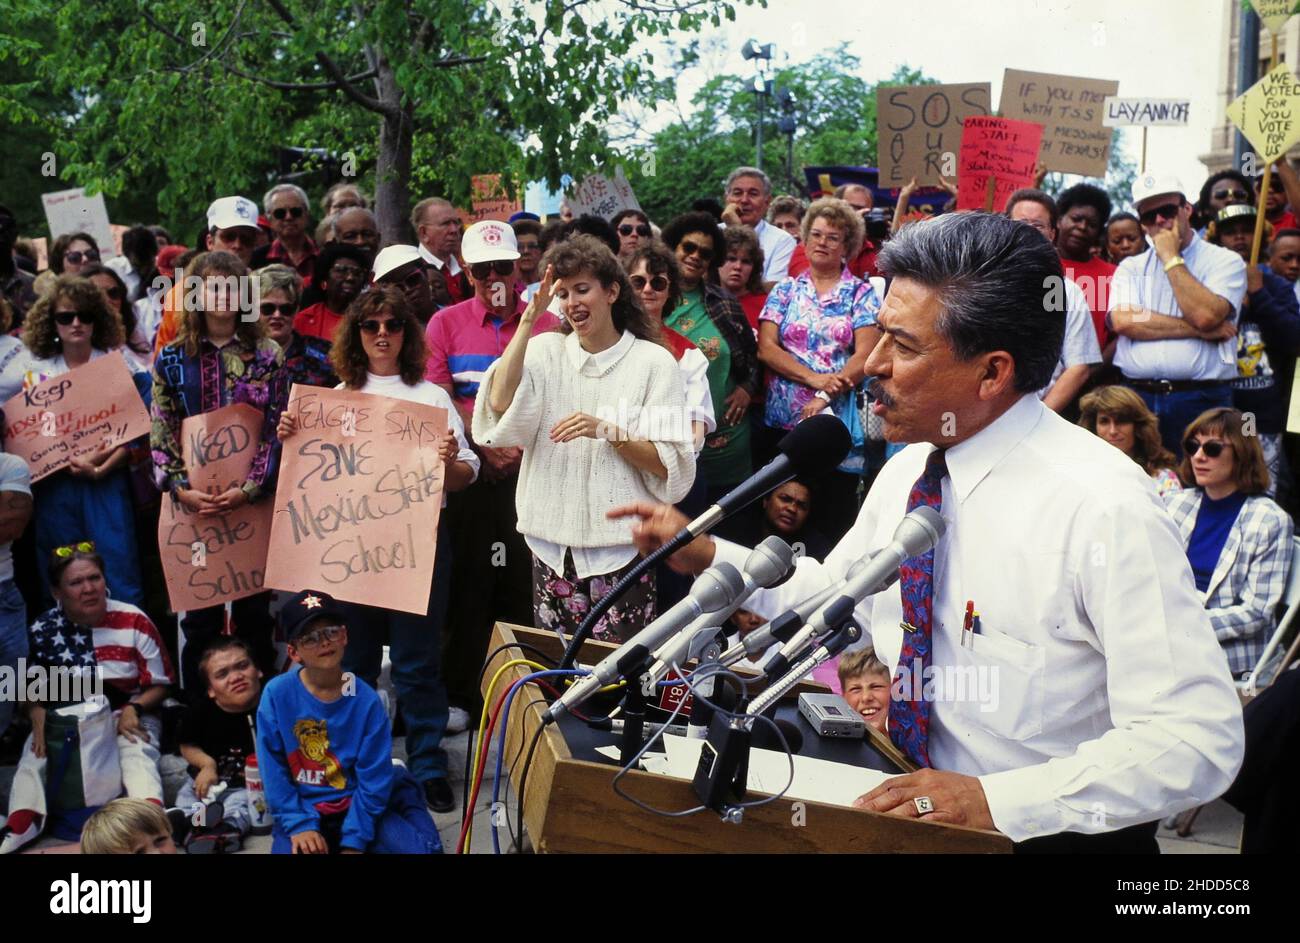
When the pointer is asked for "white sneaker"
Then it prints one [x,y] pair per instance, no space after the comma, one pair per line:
[457,720]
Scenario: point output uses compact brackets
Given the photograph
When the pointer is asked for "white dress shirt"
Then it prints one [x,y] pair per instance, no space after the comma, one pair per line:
[1079,346]
[452,265]
[1096,696]
[1141,281]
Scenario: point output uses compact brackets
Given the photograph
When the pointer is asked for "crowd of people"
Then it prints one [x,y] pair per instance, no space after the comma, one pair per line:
[585,364]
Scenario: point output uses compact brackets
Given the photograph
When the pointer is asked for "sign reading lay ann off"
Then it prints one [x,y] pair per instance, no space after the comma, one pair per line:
[80,412]
[358,500]
[1145,112]
[215,559]
[1268,113]
[1070,110]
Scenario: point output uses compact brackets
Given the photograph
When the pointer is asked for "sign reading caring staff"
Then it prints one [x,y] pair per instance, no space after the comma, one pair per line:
[358,499]
[210,560]
[90,408]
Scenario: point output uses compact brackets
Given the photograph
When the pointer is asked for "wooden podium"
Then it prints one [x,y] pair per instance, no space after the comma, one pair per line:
[571,807]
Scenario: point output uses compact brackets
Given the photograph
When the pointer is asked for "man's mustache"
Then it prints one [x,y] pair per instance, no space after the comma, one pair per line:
[876,392]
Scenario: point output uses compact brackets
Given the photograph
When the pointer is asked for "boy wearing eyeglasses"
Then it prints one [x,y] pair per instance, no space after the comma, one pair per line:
[325,751]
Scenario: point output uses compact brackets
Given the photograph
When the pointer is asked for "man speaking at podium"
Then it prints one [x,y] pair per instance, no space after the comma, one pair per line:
[1112,703]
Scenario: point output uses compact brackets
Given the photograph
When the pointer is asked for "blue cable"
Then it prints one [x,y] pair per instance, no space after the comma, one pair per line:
[501,742]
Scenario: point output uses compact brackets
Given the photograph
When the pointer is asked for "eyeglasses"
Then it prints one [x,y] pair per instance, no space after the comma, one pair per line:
[694,248]
[830,238]
[114,294]
[346,271]
[414,279]
[390,325]
[287,212]
[1211,447]
[85,546]
[656,282]
[326,633]
[358,236]
[76,256]
[1230,195]
[67,317]
[530,247]
[642,230]
[237,236]
[484,270]
[270,309]
[1168,211]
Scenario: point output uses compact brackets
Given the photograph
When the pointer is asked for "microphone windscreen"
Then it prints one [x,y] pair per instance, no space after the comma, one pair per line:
[817,444]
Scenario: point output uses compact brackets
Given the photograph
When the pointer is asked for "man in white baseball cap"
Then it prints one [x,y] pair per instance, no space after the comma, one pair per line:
[232,226]
[405,268]
[1175,308]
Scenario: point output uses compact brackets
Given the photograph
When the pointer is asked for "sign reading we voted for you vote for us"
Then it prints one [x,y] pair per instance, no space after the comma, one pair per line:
[1070,108]
[998,150]
[358,499]
[919,129]
[213,559]
[1268,113]
[81,412]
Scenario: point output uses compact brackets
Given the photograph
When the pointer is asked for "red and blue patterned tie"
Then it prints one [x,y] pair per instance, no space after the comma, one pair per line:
[909,719]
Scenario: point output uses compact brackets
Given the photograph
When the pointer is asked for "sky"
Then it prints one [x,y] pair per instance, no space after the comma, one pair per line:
[1154,48]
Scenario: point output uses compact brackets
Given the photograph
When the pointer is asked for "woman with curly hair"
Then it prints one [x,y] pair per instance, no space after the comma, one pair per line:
[90,499]
[1118,415]
[598,409]
[220,357]
[379,348]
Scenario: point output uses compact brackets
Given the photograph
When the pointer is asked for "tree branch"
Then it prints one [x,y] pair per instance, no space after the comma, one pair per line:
[332,68]
[298,86]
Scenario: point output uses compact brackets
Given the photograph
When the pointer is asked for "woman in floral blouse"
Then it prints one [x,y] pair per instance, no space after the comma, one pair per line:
[814,335]
[221,356]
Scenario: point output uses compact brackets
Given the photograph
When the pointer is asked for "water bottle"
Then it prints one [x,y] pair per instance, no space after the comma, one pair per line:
[258,814]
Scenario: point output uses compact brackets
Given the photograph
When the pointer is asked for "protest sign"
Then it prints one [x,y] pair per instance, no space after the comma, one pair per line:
[357,507]
[80,412]
[208,561]
[602,196]
[490,199]
[72,211]
[1145,112]
[1070,109]
[1268,113]
[918,129]
[999,149]
[1274,13]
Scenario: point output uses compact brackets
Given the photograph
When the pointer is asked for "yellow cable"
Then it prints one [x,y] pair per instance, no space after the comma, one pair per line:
[474,774]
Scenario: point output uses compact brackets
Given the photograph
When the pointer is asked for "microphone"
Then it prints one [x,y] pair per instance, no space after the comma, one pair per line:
[784,626]
[842,638]
[816,445]
[714,589]
[916,533]
[765,566]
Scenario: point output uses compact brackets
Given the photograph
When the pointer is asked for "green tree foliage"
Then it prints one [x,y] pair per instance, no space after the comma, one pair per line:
[184,100]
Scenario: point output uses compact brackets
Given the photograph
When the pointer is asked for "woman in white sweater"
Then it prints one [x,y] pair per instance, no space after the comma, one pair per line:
[598,409]
[379,348]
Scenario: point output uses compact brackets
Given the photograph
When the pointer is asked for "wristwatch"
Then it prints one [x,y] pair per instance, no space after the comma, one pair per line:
[823,396]
[1175,262]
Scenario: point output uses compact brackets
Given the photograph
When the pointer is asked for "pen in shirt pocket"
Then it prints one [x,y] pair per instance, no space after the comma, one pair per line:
[967,623]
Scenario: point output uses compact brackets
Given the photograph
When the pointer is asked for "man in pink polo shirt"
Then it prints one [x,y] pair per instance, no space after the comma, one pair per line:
[491,564]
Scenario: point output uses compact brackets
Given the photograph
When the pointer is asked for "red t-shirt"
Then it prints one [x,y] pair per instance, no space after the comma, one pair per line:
[1093,278]
[317,321]
[1285,220]
[753,307]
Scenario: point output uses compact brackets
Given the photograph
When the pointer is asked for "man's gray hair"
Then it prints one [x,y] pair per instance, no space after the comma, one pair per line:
[998,283]
[334,218]
[297,191]
[747,172]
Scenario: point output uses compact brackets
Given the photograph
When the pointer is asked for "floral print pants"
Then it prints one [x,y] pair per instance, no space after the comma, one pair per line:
[561,601]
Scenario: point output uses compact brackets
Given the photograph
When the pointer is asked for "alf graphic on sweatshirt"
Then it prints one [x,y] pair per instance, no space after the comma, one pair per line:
[313,763]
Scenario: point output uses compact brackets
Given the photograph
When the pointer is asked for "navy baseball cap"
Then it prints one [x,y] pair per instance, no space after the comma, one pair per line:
[306,607]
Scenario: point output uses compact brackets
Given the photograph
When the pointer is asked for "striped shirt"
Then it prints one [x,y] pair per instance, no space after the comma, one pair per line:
[125,646]
[467,338]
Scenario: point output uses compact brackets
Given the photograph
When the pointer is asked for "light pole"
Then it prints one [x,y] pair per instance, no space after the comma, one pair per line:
[762,87]
[787,126]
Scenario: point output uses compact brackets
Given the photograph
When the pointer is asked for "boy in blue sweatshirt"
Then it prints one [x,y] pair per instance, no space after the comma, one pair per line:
[325,751]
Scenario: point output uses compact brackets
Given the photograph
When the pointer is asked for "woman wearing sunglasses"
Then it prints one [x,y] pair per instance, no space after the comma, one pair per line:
[69,254]
[87,631]
[1238,541]
[137,350]
[711,318]
[633,228]
[68,328]
[341,273]
[221,356]
[306,360]
[598,410]
[380,349]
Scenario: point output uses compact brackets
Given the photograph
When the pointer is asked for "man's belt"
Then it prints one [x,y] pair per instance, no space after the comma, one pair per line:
[1174,386]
